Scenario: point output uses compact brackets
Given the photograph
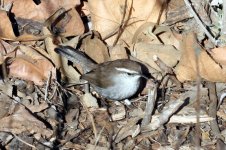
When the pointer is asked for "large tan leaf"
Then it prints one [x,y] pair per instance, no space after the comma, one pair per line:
[209,68]
[29,10]
[151,33]
[34,71]
[32,16]
[22,120]
[107,16]
[167,53]
[95,49]
[6,30]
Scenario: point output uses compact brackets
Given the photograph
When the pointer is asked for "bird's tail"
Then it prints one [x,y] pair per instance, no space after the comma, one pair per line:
[76,57]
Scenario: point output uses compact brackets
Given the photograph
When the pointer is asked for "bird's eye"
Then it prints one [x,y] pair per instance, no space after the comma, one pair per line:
[129,74]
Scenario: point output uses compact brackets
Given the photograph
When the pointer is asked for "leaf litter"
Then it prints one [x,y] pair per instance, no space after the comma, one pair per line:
[45,105]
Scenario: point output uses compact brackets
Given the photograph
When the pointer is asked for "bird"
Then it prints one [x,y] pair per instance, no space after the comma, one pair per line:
[115,80]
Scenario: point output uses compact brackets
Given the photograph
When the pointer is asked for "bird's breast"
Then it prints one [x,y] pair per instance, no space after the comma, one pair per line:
[122,88]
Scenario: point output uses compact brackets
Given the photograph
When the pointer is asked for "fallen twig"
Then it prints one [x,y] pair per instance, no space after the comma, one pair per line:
[164,116]
[18,138]
[213,109]
[152,94]
[167,70]
[47,87]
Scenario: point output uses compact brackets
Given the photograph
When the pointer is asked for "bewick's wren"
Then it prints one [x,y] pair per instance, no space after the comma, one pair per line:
[116,80]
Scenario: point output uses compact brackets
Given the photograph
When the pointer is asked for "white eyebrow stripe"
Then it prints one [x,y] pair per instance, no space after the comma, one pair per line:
[126,70]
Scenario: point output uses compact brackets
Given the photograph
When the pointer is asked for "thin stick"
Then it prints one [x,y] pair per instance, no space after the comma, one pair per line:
[98,137]
[197,106]
[124,22]
[152,94]
[47,86]
[192,11]
[164,117]
[213,109]
[18,138]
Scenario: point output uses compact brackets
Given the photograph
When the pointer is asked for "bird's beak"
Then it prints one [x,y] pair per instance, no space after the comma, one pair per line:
[143,76]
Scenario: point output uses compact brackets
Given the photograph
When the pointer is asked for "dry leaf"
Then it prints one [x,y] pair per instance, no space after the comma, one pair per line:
[75,25]
[29,37]
[72,75]
[6,48]
[22,120]
[31,18]
[7,88]
[209,68]
[36,72]
[89,101]
[60,62]
[6,30]
[167,53]
[167,37]
[151,33]
[95,49]
[85,9]
[107,16]
[127,130]
[72,42]
[37,108]
[219,55]
[118,52]
[29,10]
[30,52]
[118,112]
[5,102]
[50,46]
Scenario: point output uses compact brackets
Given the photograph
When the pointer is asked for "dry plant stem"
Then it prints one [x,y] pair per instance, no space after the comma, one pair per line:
[167,70]
[98,137]
[152,94]
[18,138]
[199,22]
[54,92]
[164,116]
[111,34]
[223,30]
[121,24]
[197,106]
[164,86]
[185,119]
[47,86]
[39,91]
[213,109]
[124,22]
[164,6]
